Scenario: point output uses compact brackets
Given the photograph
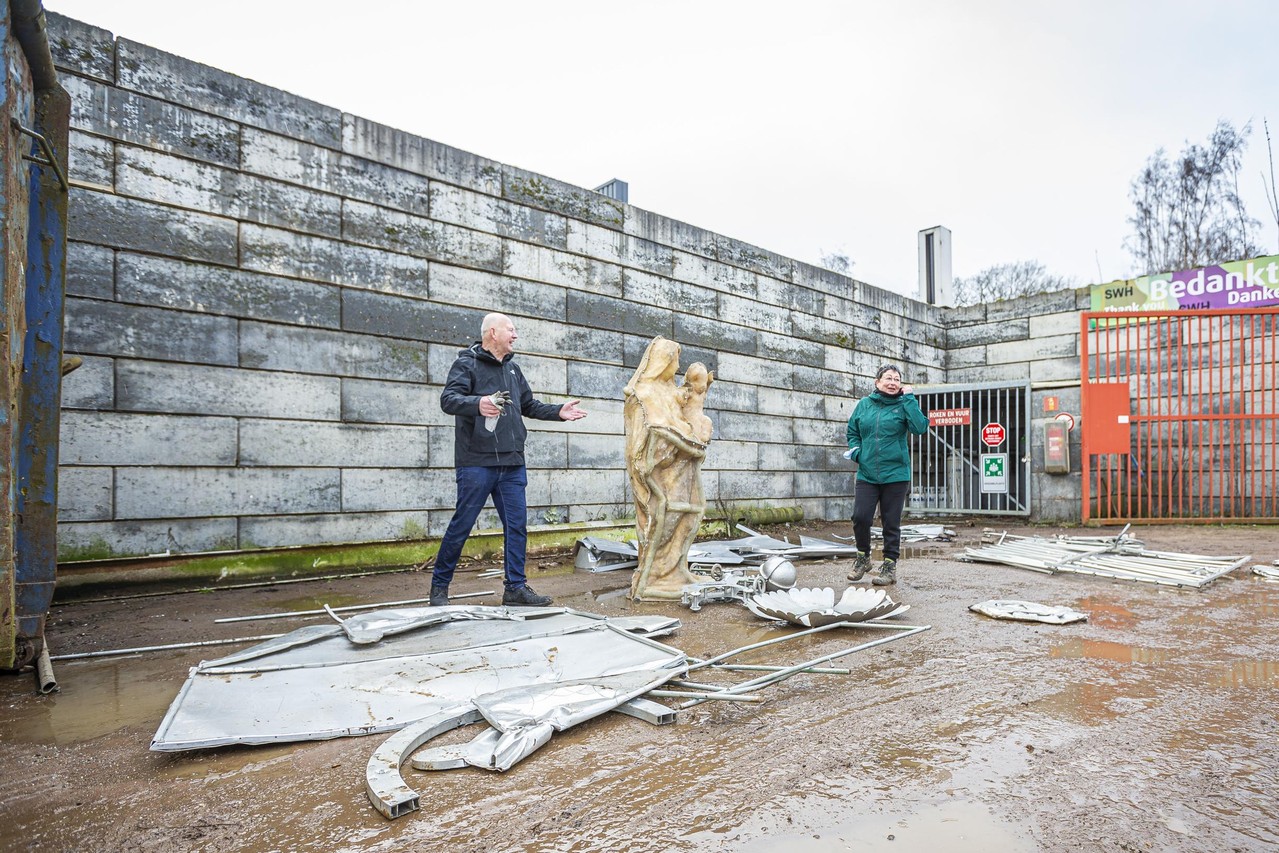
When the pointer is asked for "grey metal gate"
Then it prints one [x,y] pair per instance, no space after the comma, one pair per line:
[975,457]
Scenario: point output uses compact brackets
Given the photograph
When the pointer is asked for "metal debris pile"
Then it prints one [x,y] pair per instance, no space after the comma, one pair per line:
[1028,611]
[913,533]
[1121,557]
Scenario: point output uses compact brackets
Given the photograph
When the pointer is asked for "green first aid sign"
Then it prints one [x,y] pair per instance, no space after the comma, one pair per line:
[994,473]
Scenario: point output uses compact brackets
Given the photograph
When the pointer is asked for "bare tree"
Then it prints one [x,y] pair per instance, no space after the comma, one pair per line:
[1007,281]
[836,262]
[1272,194]
[1188,210]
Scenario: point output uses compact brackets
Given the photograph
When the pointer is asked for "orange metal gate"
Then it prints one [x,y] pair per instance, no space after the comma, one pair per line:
[1180,415]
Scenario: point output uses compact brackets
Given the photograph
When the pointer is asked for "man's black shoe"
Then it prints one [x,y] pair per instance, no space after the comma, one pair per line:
[524,596]
[439,596]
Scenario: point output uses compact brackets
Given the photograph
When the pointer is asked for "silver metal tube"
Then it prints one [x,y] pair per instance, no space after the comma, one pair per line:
[321,612]
[723,695]
[773,678]
[113,652]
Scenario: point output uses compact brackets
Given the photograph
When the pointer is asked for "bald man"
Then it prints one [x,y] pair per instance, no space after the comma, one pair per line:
[489,398]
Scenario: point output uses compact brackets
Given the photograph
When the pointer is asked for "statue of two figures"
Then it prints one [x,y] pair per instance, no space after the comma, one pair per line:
[667,434]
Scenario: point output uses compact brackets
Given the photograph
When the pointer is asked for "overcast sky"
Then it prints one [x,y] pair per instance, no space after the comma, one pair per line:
[801,127]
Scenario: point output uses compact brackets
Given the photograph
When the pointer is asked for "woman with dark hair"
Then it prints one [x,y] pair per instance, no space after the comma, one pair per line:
[877,442]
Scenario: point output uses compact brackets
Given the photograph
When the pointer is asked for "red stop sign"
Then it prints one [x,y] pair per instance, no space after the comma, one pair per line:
[993,434]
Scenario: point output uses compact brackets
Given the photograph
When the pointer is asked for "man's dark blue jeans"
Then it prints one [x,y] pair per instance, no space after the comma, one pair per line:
[475,485]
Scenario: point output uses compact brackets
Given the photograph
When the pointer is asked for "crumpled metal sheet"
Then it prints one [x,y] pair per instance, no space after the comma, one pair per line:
[1267,572]
[1028,611]
[814,608]
[523,718]
[322,685]
[604,555]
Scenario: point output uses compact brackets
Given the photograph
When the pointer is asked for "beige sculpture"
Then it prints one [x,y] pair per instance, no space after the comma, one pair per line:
[666,438]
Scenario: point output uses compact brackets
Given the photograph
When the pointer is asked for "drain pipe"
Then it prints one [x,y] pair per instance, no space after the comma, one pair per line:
[44,673]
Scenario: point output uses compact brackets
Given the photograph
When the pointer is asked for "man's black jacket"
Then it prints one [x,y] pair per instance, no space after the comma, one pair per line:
[475,374]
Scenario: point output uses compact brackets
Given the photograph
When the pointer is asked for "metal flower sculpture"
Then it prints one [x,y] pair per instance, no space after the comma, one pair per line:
[814,608]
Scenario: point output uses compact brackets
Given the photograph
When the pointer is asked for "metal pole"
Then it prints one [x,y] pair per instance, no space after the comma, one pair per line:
[113,652]
[353,607]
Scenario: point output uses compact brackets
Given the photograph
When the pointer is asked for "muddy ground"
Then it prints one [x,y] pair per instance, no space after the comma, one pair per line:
[1152,726]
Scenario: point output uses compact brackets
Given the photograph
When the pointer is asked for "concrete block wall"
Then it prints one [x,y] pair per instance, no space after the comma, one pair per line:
[267,294]
[1035,338]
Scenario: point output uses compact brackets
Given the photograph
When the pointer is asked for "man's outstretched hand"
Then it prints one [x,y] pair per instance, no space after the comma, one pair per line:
[571,412]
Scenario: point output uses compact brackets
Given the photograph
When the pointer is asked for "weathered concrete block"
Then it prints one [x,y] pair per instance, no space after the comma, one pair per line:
[217,290]
[714,335]
[989,373]
[1059,346]
[287,253]
[791,350]
[544,337]
[382,144]
[587,451]
[787,295]
[538,263]
[271,347]
[210,188]
[739,254]
[413,319]
[91,160]
[182,81]
[601,381]
[775,486]
[787,403]
[488,291]
[419,237]
[824,281]
[805,457]
[122,223]
[669,232]
[498,216]
[129,117]
[543,449]
[84,494]
[334,528]
[726,396]
[924,334]
[91,385]
[285,158]
[588,486]
[1027,306]
[877,299]
[90,270]
[821,433]
[533,190]
[152,386]
[308,444]
[605,312]
[754,315]
[753,371]
[820,484]
[839,507]
[732,455]
[605,419]
[199,492]
[831,384]
[116,438]
[822,331]
[380,489]
[111,329]
[96,540]
[965,357]
[839,409]
[835,358]
[369,401]
[1048,325]
[659,291]
[1055,370]
[79,47]
[741,426]
[363,179]
[705,272]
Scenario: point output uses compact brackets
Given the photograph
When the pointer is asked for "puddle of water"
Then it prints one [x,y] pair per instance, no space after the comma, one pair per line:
[1106,613]
[1107,650]
[956,826]
[95,699]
